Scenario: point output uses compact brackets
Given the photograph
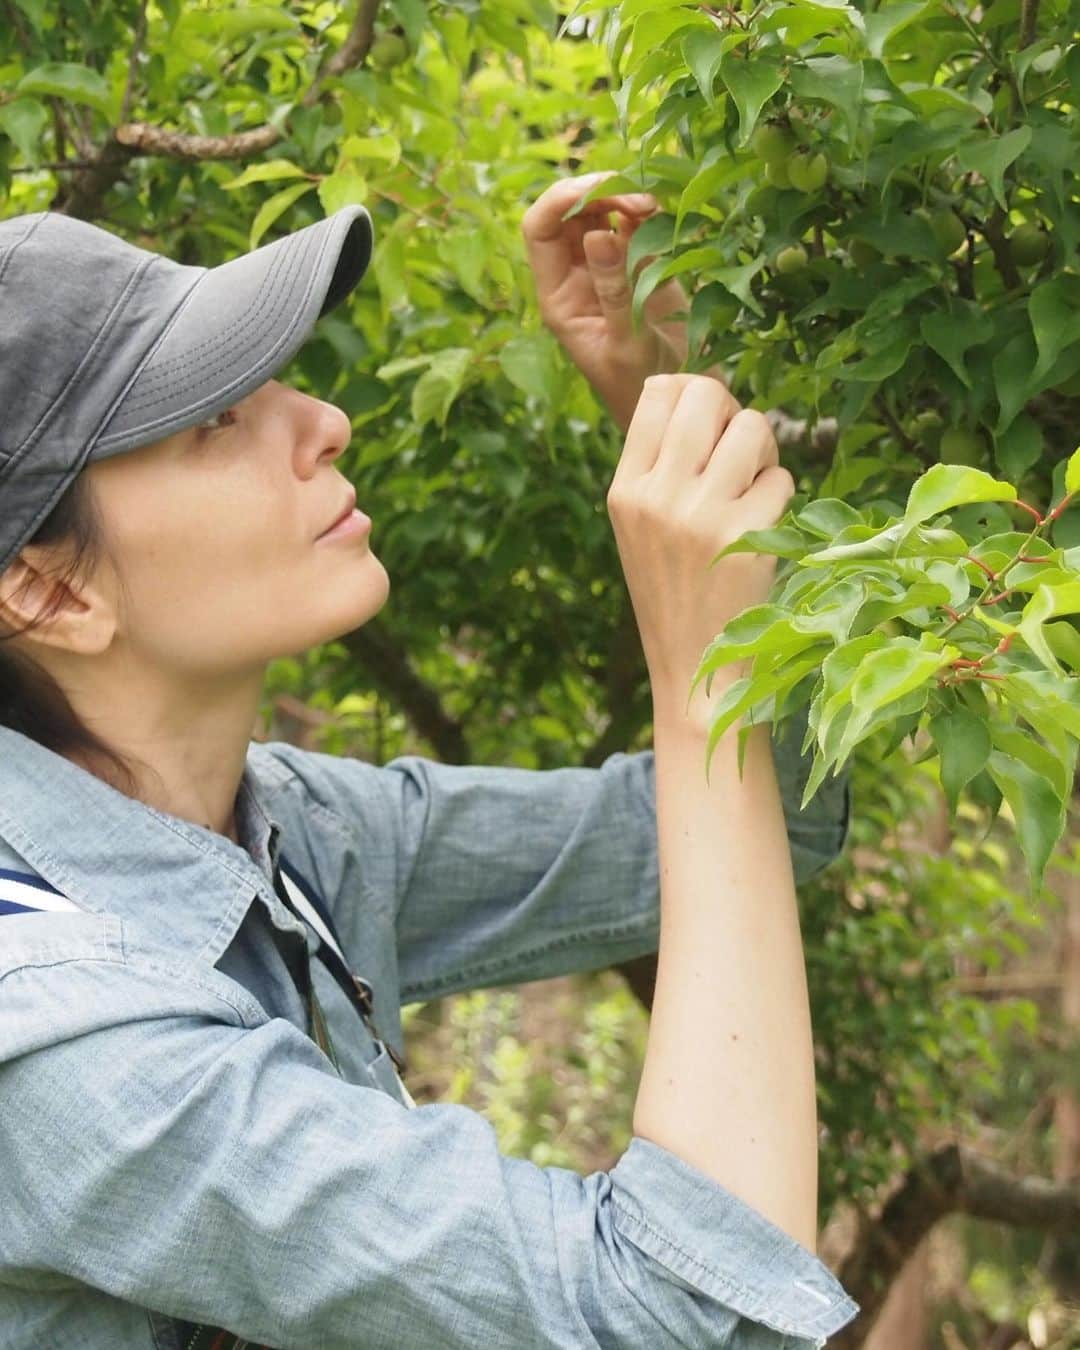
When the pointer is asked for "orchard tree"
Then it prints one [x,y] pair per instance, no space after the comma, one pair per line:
[871,211]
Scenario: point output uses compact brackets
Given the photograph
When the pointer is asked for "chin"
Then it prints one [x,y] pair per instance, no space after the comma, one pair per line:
[371,598]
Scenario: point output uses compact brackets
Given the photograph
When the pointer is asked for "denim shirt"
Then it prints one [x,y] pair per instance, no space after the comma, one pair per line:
[173,1145]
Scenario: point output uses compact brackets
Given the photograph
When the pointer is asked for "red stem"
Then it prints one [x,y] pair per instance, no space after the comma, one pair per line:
[992,575]
[1060,507]
[1025,507]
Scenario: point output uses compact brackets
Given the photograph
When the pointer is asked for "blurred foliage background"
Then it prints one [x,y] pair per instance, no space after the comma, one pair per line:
[941,991]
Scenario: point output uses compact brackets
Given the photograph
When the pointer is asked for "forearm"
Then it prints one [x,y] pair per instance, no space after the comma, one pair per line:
[728,1079]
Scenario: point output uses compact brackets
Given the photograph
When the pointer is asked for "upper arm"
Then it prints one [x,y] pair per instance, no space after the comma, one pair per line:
[221,1173]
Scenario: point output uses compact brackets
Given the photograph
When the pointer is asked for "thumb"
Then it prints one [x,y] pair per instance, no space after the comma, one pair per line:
[605,255]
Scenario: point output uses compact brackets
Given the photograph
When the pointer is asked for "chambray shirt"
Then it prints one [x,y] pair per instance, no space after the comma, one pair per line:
[173,1145]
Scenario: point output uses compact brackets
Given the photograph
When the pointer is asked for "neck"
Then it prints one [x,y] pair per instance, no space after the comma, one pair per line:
[187,746]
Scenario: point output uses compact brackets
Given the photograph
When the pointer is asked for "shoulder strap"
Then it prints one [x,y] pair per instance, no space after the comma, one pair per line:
[27,893]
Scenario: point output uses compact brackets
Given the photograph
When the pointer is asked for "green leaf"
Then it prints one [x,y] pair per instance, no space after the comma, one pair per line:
[467,251]
[886,22]
[703,50]
[751,82]
[838,670]
[1019,447]
[1055,321]
[947,485]
[1057,771]
[991,156]
[1048,602]
[22,121]
[963,744]
[827,517]
[951,334]
[75,83]
[782,541]
[531,363]
[273,208]
[345,187]
[1072,473]
[435,391]
[834,80]
[862,542]
[745,692]
[269,171]
[1036,808]
[1049,696]
[888,675]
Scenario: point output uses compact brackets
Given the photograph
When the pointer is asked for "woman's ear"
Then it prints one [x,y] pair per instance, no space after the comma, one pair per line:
[81,615]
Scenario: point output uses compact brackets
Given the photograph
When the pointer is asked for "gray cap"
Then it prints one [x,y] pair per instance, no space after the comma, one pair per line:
[105,347]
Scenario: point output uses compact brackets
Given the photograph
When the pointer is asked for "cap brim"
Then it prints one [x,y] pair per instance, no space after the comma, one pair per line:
[240,323]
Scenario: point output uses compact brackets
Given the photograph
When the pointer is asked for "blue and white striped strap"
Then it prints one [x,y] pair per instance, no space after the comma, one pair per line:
[25,893]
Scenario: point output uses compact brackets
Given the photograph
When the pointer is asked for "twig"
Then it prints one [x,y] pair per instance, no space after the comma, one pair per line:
[1029,16]
[133,61]
[56,166]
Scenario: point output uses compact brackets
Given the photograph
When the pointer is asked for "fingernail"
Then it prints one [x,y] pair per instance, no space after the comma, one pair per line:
[603,252]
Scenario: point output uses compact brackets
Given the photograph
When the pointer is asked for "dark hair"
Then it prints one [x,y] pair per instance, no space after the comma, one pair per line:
[31,701]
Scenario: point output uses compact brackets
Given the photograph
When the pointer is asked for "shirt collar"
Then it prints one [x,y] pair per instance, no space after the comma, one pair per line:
[111,854]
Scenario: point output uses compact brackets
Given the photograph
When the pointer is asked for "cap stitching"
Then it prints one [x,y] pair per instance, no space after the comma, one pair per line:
[164,372]
[166,420]
[9,252]
[77,375]
[200,359]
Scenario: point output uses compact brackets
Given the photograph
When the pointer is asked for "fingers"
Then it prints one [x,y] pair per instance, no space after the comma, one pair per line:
[658,400]
[698,421]
[765,501]
[605,256]
[745,448]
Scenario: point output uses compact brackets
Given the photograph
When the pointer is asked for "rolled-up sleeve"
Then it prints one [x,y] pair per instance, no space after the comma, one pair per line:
[503,875]
[222,1173]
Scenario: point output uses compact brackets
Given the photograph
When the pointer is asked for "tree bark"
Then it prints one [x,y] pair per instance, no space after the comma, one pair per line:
[951,1180]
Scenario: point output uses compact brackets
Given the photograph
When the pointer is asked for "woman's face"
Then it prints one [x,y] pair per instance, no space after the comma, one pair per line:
[214,535]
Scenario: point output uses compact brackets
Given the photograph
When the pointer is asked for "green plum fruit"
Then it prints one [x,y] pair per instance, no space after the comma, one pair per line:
[807,171]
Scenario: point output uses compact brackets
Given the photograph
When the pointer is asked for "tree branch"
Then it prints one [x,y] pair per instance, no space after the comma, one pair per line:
[951,1180]
[389,667]
[140,138]
[792,431]
[82,195]
[353,51]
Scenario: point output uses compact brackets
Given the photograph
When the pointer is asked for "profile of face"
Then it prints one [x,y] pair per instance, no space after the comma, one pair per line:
[214,534]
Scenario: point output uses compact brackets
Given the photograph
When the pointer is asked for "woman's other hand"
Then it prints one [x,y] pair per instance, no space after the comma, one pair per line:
[695,473]
[585,292]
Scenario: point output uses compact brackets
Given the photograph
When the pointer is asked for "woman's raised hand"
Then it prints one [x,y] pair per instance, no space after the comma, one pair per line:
[696,472]
[584,290]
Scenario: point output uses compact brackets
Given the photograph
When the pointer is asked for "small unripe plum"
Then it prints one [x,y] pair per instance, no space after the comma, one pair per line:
[949,230]
[959,446]
[388,50]
[1029,244]
[807,172]
[925,426]
[772,142]
[862,254]
[776,174]
[791,260]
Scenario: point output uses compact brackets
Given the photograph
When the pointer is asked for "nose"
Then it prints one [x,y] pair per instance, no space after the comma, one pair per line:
[324,434]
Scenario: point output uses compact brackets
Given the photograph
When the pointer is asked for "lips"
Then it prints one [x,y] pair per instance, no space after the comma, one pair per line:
[347,510]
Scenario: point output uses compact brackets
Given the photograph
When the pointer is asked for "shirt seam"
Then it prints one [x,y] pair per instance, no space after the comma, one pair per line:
[756,1305]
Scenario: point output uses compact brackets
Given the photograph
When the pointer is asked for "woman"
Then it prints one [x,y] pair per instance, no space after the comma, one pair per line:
[205,943]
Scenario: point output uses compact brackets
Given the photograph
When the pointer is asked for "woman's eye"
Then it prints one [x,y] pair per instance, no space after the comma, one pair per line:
[219,421]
